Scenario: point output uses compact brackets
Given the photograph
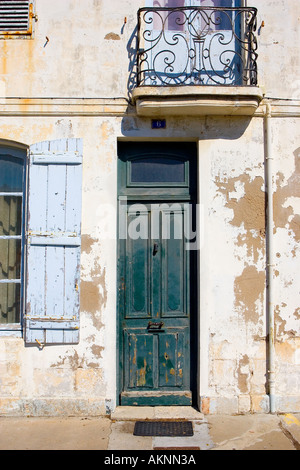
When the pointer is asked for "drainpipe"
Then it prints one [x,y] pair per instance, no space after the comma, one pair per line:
[270,259]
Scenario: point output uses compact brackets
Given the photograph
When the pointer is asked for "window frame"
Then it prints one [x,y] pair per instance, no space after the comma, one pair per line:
[22,34]
[19,152]
[180,151]
[155,183]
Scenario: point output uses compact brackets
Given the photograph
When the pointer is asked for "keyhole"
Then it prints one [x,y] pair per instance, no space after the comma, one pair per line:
[155,249]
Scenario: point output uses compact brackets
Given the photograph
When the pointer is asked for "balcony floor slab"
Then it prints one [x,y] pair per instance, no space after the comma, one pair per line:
[196,100]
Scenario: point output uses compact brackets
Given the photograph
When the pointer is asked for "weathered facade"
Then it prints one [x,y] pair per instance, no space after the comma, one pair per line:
[75,91]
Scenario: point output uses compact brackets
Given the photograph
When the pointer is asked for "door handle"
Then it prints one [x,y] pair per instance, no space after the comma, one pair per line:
[155,249]
[154,327]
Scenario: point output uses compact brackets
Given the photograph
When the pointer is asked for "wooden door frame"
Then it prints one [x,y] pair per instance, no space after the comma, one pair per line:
[193,274]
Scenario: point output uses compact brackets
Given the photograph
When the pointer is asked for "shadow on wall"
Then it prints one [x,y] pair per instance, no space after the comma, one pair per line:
[203,127]
[132,63]
[189,127]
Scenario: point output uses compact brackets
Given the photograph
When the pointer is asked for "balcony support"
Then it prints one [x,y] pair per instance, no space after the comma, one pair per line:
[196,101]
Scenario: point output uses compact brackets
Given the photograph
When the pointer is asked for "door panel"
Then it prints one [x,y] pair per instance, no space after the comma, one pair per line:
[139,349]
[172,359]
[155,361]
[174,263]
[156,325]
[137,277]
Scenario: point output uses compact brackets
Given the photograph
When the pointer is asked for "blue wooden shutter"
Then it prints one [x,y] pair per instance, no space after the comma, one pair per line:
[53,242]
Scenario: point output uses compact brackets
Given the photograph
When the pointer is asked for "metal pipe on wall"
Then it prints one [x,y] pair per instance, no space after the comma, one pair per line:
[270,258]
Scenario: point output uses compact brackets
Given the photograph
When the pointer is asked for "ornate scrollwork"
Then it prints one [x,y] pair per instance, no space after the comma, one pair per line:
[197,46]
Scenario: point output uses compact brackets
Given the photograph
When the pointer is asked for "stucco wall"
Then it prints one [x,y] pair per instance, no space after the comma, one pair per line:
[87,56]
[234,259]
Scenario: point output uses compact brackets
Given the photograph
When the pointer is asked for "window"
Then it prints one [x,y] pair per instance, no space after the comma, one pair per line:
[12,174]
[174,21]
[163,168]
[221,20]
[193,42]
[40,241]
[16,18]
[157,170]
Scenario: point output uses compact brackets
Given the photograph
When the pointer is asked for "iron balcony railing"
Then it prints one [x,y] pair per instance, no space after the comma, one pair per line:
[197,46]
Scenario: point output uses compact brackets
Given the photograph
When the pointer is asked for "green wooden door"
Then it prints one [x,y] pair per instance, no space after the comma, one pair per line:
[156,305]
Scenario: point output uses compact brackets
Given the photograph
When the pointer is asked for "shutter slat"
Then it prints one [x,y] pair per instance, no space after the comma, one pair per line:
[36,323]
[14,16]
[56,158]
[54,242]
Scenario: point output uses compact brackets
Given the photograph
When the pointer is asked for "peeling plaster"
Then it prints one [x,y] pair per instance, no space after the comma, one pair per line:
[281,332]
[87,243]
[297,313]
[249,288]
[284,216]
[112,37]
[94,296]
[248,211]
[93,290]
[243,374]
[72,359]
[247,200]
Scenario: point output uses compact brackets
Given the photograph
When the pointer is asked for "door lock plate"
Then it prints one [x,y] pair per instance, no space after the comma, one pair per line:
[155,327]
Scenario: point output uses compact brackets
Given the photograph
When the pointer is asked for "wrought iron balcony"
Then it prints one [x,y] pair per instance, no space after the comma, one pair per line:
[197,46]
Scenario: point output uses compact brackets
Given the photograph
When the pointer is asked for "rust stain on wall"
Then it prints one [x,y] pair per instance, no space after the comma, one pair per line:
[284,215]
[286,351]
[205,405]
[249,211]
[249,287]
[3,63]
